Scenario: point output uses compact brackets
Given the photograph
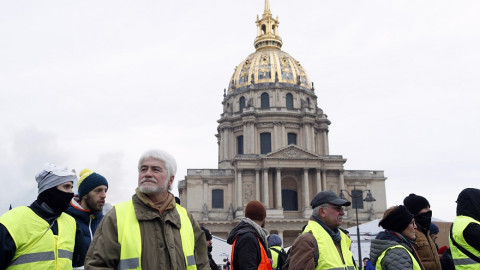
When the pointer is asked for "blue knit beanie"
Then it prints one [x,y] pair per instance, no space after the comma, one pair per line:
[433,228]
[88,181]
[274,240]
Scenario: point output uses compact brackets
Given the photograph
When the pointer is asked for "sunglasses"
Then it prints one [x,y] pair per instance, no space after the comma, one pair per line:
[336,207]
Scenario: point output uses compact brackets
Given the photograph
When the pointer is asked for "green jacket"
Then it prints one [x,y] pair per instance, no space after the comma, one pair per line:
[156,231]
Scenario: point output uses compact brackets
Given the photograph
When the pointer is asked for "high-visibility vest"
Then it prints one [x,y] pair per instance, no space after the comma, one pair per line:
[329,258]
[461,260]
[130,239]
[264,260]
[36,245]
[275,255]
[378,265]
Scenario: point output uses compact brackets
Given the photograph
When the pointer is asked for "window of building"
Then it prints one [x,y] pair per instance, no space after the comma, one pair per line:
[357,199]
[308,103]
[265,143]
[217,199]
[240,145]
[265,101]
[242,103]
[292,138]
[289,200]
[289,99]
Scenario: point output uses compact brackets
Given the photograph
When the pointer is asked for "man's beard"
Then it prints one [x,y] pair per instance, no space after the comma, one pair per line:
[150,189]
[92,205]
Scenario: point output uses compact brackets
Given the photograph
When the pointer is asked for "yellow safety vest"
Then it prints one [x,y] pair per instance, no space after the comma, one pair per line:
[329,258]
[275,255]
[378,265]
[130,238]
[461,260]
[36,245]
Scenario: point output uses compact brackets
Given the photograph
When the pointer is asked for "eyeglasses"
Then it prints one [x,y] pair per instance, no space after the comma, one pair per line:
[413,222]
[336,207]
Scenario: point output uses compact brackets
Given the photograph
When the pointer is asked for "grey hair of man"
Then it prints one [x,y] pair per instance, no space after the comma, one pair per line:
[161,155]
[315,210]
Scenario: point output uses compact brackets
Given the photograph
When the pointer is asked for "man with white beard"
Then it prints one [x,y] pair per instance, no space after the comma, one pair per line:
[150,231]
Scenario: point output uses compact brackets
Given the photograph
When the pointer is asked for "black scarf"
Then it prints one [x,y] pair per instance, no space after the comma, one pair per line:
[336,236]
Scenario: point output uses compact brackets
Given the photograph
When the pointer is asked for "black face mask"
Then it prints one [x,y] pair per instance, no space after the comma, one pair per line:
[56,199]
[424,220]
[210,249]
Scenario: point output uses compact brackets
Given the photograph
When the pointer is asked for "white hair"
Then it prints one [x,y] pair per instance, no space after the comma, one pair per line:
[161,155]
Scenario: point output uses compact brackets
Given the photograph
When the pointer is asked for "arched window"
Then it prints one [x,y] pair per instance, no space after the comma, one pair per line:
[265,143]
[289,99]
[289,200]
[265,101]
[242,103]
[217,198]
[308,103]
[292,138]
[264,29]
[240,145]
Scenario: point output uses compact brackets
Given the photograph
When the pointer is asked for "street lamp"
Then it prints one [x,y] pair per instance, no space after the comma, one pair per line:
[355,197]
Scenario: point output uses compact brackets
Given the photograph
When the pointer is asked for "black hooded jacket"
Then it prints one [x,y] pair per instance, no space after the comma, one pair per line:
[468,204]
[247,253]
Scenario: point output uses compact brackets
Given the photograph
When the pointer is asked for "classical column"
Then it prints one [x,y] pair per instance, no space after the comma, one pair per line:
[239,189]
[205,191]
[257,185]
[318,183]
[280,233]
[325,142]
[306,190]
[265,188]
[341,181]
[278,189]
[324,179]
[275,137]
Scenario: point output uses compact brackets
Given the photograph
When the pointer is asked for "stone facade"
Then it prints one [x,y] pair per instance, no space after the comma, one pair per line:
[273,147]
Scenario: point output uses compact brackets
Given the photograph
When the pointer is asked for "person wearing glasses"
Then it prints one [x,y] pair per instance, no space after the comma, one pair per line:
[42,236]
[393,248]
[322,233]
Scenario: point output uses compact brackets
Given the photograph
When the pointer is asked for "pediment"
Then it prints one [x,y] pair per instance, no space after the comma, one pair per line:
[291,152]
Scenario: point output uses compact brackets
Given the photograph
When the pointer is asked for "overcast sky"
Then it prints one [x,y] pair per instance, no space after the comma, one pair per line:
[96,83]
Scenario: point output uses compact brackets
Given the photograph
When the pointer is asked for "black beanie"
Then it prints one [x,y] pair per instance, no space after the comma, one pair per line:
[208,235]
[415,203]
[397,220]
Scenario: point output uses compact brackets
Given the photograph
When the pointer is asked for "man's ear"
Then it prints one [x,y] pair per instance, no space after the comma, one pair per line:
[170,181]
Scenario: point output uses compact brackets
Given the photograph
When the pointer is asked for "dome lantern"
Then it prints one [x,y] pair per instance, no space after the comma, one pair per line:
[267,31]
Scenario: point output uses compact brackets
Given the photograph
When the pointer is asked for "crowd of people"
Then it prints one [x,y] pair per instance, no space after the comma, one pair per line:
[153,231]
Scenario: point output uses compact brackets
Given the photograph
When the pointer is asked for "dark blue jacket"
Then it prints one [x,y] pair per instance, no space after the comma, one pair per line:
[87,222]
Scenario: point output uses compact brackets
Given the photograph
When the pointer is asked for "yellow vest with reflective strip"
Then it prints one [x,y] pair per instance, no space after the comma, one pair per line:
[378,265]
[130,238]
[36,245]
[461,260]
[329,258]
[275,255]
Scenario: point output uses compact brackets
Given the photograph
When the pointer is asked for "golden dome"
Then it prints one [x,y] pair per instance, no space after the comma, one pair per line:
[269,63]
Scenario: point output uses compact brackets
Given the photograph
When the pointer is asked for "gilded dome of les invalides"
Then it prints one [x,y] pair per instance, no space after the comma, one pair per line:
[268,63]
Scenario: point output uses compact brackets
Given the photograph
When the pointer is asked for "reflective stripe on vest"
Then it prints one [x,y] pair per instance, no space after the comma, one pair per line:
[378,265]
[36,246]
[329,257]
[461,260]
[264,260]
[130,239]
[275,255]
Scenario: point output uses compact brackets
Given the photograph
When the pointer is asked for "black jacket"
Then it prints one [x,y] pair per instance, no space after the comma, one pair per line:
[247,253]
